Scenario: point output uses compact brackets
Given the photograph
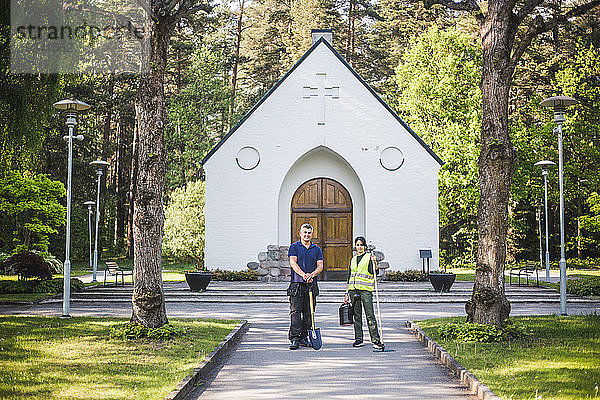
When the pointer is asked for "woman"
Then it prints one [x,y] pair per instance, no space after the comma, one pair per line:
[361,283]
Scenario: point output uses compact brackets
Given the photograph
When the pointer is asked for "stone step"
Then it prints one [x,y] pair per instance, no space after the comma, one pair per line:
[330,292]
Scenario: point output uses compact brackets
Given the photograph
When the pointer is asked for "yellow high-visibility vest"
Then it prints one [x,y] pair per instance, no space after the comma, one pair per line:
[360,278]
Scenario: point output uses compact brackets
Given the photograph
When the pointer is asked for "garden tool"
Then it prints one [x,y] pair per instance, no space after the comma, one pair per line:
[383,349]
[314,334]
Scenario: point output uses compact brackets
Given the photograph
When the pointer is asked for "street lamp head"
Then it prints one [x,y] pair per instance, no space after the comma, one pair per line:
[89,204]
[99,164]
[71,105]
[545,164]
[559,104]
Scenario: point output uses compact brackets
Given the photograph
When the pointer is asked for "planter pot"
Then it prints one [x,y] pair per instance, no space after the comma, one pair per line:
[198,281]
[442,282]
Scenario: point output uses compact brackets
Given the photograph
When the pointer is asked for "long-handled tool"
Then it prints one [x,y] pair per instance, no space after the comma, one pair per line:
[314,334]
[383,348]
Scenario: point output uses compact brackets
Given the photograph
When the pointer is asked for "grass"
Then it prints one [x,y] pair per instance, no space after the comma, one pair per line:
[560,362]
[22,297]
[52,358]
[27,297]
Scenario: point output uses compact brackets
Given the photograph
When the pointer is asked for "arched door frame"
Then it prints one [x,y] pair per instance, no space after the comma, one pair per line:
[320,161]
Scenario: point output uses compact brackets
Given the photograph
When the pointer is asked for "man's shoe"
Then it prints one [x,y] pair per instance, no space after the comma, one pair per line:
[294,345]
[378,346]
[304,343]
[358,343]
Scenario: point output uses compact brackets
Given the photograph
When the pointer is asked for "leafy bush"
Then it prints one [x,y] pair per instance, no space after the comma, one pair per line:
[575,263]
[56,264]
[412,275]
[36,286]
[184,224]
[471,332]
[136,332]
[27,265]
[515,332]
[587,286]
[231,276]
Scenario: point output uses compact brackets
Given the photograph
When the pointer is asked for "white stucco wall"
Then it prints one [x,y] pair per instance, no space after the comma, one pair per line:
[248,209]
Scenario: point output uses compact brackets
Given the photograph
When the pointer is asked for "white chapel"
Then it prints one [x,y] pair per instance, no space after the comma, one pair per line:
[321,147]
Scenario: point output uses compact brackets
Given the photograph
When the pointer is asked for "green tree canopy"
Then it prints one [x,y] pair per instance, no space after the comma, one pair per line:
[198,116]
[440,98]
[29,211]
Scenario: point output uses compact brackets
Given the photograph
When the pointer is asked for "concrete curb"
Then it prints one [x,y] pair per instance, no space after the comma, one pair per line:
[210,362]
[475,386]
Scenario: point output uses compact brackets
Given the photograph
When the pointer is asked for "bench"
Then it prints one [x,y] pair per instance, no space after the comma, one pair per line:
[524,272]
[112,268]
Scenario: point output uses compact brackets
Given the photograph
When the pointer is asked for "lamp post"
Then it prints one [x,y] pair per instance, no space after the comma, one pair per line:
[538,217]
[559,104]
[100,165]
[71,107]
[90,204]
[545,166]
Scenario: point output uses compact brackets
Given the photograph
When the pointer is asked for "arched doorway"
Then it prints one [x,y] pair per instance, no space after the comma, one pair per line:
[327,206]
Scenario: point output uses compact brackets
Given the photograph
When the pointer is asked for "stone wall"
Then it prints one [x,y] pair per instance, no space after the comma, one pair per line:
[274,265]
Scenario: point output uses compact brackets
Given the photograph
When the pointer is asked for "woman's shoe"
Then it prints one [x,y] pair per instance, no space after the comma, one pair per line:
[358,343]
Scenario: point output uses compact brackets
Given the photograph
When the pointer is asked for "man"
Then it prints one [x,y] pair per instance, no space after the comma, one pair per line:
[306,260]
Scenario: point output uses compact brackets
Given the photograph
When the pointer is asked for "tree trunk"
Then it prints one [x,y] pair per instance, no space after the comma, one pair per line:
[108,119]
[488,304]
[131,194]
[236,60]
[118,182]
[350,33]
[579,212]
[148,215]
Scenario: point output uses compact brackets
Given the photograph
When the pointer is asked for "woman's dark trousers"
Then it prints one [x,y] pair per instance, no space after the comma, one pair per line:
[360,299]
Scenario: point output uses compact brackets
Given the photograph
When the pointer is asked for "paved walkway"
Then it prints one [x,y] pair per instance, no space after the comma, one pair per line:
[263,367]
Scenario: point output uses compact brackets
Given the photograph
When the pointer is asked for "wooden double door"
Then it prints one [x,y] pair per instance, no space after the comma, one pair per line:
[327,206]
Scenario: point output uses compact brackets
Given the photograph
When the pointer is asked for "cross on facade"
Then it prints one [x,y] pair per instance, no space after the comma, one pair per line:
[325,91]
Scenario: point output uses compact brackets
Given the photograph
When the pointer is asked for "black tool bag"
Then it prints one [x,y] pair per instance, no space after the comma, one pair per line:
[346,314]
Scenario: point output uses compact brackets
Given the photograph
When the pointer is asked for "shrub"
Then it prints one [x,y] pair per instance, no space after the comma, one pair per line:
[27,265]
[471,332]
[412,275]
[183,237]
[136,332]
[220,275]
[54,262]
[36,286]
[587,286]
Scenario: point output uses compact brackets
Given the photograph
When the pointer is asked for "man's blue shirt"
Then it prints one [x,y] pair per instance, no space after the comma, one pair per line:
[307,258]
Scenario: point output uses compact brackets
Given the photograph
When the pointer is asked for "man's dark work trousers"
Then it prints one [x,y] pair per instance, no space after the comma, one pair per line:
[300,321]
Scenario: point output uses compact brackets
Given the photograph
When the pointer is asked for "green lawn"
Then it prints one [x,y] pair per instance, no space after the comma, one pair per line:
[21,297]
[562,362]
[52,358]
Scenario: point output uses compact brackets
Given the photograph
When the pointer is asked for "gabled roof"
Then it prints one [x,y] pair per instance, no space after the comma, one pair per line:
[369,88]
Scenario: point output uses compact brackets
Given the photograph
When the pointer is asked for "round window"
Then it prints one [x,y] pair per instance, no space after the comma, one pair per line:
[391,158]
[247,158]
